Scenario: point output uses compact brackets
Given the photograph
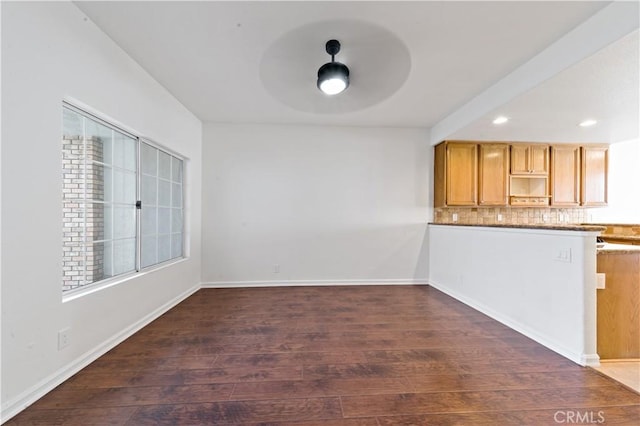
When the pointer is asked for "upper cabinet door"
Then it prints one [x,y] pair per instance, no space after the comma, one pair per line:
[462,174]
[529,159]
[595,164]
[565,175]
[538,159]
[494,175]
[519,159]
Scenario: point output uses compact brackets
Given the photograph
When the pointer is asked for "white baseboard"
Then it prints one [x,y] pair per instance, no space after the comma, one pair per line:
[295,283]
[15,405]
[590,360]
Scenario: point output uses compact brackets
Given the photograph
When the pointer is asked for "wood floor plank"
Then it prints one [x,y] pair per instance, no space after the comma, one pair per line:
[457,402]
[110,363]
[462,354]
[430,368]
[333,422]
[135,396]
[504,381]
[238,412]
[74,417]
[318,388]
[289,358]
[333,356]
[624,415]
[180,377]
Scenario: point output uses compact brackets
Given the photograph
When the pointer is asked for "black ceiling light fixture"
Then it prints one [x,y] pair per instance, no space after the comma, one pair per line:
[333,77]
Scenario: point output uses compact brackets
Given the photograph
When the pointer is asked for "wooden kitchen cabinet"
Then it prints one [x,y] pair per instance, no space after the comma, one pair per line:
[565,175]
[468,173]
[618,305]
[594,175]
[456,174]
[493,179]
[529,159]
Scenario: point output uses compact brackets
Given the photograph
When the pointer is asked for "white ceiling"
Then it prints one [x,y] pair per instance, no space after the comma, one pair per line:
[221,59]
[603,87]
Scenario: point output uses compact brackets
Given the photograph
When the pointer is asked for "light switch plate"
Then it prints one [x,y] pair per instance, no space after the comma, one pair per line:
[601,280]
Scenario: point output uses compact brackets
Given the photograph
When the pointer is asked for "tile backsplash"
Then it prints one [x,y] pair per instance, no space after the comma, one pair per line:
[511,215]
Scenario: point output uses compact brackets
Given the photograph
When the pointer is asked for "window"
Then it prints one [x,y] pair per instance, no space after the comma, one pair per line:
[122,201]
[161,193]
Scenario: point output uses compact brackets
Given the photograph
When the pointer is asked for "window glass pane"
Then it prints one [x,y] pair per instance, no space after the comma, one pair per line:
[176,220]
[124,187]
[161,225]
[149,159]
[164,165]
[149,251]
[73,221]
[164,193]
[149,191]
[98,140]
[103,234]
[124,256]
[107,224]
[124,151]
[124,222]
[176,245]
[176,170]
[164,248]
[107,151]
[149,222]
[164,221]
[72,124]
[102,255]
[176,195]
[101,217]
[99,182]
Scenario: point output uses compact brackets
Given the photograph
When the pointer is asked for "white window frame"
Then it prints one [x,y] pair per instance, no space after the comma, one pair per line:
[138,271]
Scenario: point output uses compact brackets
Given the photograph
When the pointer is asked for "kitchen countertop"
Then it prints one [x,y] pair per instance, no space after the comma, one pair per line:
[555,227]
[608,248]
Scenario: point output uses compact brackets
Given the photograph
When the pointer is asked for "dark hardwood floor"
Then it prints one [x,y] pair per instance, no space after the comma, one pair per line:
[392,355]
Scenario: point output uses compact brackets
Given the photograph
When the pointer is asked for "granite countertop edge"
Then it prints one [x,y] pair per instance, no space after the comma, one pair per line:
[568,227]
[616,224]
[622,237]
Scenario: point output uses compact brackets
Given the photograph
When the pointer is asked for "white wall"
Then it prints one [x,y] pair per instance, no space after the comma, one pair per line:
[624,195]
[325,204]
[51,52]
[513,275]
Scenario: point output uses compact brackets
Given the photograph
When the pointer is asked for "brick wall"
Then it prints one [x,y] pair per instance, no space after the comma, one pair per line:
[83,222]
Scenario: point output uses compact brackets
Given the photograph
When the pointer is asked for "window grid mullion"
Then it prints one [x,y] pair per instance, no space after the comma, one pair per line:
[138,264]
[157,206]
[84,204]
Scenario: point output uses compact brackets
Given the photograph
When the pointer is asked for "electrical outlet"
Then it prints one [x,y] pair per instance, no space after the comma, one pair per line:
[563,255]
[545,218]
[276,269]
[454,217]
[499,217]
[64,338]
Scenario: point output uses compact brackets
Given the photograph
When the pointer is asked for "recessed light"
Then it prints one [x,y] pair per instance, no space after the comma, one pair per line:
[500,120]
[587,123]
